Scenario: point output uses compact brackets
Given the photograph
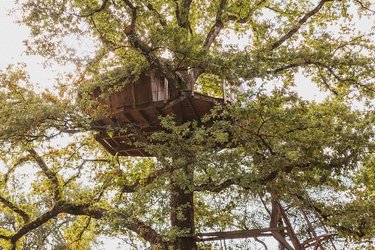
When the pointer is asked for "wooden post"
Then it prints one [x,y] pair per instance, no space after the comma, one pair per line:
[166,91]
[292,235]
[133,94]
[223,85]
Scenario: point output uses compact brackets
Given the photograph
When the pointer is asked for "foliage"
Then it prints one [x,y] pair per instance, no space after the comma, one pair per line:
[61,189]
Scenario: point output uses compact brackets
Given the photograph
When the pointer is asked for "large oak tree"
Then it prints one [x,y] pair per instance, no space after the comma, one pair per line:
[60,188]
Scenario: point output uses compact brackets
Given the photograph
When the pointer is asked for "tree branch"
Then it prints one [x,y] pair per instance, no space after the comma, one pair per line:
[35,223]
[14,208]
[162,20]
[363,6]
[182,14]
[50,175]
[143,230]
[296,27]
[131,188]
[147,51]
[101,8]
[216,28]
[211,187]
[133,224]
[133,9]
[147,233]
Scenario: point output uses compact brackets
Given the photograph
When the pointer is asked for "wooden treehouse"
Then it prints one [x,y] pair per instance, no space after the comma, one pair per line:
[138,107]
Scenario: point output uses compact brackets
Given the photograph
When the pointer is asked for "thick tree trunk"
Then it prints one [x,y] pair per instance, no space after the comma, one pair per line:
[182,214]
[182,204]
[182,218]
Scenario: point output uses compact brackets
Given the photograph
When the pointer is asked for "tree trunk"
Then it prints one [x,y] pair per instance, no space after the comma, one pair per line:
[182,214]
[182,203]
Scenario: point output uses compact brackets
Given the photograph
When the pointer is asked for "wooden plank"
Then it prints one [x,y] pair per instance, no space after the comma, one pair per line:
[289,229]
[174,102]
[275,217]
[129,117]
[275,214]
[193,109]
[142,90]
[105,145]
[311,242]
[166,90]
[223,86]
[144,117]
[207,98]
[133,94]
[262,232]
[280,238]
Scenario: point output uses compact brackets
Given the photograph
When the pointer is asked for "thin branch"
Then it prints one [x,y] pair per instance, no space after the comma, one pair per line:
[75,176]
[261,242]
[289,66]
[143,230]
[110,44]
[296,27]
[246,18]
[49,174]
[153,176]
[364,7]
[100,9]
[85,227]
[133,9]
[14,208]
[211,187]
[4,237]
[161,19]
[13,168]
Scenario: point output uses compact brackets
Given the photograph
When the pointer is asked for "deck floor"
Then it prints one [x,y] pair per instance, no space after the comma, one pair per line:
[142,121]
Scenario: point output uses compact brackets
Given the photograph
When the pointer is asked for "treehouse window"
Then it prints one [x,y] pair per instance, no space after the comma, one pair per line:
[159,86]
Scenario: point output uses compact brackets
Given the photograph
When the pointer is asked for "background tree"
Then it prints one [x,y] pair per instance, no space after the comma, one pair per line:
[280,147]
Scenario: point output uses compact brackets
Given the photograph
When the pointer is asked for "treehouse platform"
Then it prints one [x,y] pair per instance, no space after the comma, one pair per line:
[137,108]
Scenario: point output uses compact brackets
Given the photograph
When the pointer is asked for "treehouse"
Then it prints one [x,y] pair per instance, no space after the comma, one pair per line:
[138,106]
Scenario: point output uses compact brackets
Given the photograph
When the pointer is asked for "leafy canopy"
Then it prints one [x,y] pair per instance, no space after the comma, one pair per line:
[60,188]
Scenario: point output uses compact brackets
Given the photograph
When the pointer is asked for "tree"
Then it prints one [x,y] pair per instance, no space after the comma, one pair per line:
[270,146]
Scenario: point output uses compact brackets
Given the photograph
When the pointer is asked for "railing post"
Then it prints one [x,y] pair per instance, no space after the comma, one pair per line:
[223,85]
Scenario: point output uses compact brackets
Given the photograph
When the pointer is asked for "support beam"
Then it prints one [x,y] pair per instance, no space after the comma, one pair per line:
[289,229]
[144,118]
[191,105]
[239,234]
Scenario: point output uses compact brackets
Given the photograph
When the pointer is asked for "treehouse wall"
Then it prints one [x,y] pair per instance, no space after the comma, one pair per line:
[148,89]
[139,105]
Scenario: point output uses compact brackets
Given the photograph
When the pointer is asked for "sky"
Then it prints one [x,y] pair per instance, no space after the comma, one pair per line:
[12,51]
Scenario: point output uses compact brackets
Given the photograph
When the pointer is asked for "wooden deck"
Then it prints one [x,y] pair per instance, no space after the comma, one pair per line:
[142,119]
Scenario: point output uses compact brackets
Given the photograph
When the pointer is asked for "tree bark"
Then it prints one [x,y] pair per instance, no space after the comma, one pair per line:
[182,202]
[182,214]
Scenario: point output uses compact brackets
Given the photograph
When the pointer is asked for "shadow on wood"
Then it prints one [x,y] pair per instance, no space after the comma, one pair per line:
[138,107]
